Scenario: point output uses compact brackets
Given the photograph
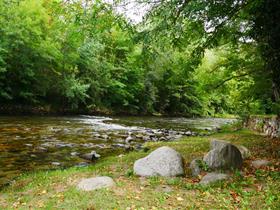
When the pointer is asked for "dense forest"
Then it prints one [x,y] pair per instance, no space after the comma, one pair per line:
[187,57]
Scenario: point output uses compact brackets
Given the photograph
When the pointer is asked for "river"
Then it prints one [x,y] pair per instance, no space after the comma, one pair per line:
[40,143]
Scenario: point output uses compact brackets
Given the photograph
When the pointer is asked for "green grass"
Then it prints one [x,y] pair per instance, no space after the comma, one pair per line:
[249,189]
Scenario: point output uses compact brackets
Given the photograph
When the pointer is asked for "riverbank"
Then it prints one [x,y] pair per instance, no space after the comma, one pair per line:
[251,189]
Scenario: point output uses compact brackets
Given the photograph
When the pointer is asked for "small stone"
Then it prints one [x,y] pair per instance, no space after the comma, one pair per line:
[91,156]
[95,183]
[56,163]
[260,163]
[213,177]
[74,153]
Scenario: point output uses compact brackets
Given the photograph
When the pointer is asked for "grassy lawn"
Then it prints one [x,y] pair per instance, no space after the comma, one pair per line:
[249,189]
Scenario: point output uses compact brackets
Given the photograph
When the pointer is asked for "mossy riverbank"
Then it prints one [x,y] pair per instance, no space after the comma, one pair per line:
[249,189]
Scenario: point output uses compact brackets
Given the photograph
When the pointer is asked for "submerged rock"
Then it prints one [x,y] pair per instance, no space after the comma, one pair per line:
[95,183]
[212,178]
[164,161]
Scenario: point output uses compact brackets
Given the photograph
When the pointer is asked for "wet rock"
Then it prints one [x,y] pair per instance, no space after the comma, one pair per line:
[164,161]
[260,163]
[140,147]
[47,144]
[105,136]
[56,163]
[95,183]
[188,133]
[162,138]
[212,178]
[91,156]
[129,139]
[82,164]
[119,145]
[128,147]
[42,149]
[146,138]
[224,156]
[29,145]
[74,153]
[88,145]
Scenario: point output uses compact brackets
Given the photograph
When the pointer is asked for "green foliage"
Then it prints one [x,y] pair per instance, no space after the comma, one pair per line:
[187,58]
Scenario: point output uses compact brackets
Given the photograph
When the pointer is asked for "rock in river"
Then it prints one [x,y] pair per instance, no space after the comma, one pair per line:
[164,161]
[95,183]
[90,156]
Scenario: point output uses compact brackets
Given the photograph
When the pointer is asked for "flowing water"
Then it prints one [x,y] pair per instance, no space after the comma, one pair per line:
[38,143]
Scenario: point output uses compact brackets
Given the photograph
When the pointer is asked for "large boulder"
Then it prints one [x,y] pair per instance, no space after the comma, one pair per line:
[95,183]
[212,178]
[214,144]
[224,156]
[164,161]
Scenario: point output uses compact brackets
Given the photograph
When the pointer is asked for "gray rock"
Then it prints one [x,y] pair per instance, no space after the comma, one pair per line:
[260,163]
[74,153]
[195,167]
[164,161]
[215,143]
[56,163]
[188,133]
[244,152]
[91,156]
[213,177]
[224,156]
[95,183]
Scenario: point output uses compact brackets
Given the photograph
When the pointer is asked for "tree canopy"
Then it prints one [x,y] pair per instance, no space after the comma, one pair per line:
[188,57]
